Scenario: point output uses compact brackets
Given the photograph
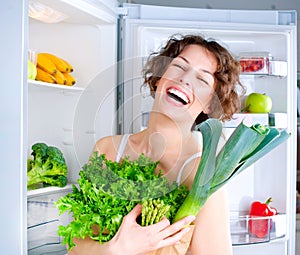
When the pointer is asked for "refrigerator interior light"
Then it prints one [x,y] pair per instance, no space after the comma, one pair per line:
[45,13]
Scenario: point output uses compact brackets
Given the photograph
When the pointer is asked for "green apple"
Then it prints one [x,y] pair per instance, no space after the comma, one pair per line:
[31,68]
[258,103]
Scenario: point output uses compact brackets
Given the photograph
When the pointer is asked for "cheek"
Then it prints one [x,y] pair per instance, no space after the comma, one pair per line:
[203,96]
[160,84]
[169,76]
[172,73]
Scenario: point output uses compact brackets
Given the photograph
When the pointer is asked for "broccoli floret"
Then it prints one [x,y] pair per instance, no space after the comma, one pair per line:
[54,153]
[39,151]
[39,154]
[57,180]
[55,162]
[48,166]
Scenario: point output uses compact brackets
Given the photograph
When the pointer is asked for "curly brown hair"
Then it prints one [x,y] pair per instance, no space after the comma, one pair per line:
[227,100]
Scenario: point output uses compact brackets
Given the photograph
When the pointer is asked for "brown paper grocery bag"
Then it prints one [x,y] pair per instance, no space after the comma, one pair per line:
[177,249]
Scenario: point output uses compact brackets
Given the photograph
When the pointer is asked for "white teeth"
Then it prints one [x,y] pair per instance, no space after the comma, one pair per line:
[179,94]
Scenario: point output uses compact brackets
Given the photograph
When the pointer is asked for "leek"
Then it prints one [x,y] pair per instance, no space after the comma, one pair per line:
[211,130]
[244,147]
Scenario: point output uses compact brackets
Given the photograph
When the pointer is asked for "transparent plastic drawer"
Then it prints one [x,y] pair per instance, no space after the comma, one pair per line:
[247,229]
[43,221]
[255,62]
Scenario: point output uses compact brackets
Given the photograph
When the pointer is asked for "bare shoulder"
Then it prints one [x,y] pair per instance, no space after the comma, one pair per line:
[108,145]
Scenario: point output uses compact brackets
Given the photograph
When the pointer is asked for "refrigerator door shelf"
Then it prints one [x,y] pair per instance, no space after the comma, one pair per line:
[249,230]
[277,120]
[278,68]
[273,68]
[247,118]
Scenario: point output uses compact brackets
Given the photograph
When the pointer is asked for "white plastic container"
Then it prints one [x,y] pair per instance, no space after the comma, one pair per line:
[255,62]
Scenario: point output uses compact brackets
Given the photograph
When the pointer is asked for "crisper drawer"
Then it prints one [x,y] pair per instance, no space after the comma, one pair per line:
[43,221]
[251,230]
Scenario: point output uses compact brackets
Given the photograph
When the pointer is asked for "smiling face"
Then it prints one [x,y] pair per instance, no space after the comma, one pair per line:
[187,86]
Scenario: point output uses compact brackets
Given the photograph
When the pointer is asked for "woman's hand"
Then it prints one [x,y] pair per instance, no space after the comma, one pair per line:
[132,238]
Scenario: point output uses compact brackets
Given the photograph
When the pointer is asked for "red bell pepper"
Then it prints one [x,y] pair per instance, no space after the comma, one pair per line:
[260,227]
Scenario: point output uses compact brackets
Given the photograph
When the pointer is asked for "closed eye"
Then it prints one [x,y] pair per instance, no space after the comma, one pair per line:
[179,66]
[202,80]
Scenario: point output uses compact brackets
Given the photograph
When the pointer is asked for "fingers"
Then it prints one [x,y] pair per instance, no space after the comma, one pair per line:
[174,233]
[135,212]
[175,239]
[161,225]
[159,234]
[177,226]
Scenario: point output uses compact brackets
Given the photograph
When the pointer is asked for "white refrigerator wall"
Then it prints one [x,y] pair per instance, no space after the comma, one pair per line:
[73,119]
[147,36]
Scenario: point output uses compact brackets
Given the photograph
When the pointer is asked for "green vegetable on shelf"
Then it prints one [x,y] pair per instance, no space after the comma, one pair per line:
[46,168]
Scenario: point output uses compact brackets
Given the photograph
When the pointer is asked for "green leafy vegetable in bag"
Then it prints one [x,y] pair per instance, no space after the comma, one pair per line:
[109,190]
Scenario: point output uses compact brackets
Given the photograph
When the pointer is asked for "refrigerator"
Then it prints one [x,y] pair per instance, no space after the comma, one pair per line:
[107,44]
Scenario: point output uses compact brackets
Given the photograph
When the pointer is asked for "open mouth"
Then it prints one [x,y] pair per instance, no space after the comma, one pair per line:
[178,95]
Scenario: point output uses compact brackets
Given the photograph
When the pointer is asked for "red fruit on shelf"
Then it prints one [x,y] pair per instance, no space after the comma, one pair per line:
[252,64]
[261,227]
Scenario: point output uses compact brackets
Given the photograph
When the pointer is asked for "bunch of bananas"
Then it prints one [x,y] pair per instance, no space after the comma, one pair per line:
[53,69]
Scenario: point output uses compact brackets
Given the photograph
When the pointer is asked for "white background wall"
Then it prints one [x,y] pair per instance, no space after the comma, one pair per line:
[233,4]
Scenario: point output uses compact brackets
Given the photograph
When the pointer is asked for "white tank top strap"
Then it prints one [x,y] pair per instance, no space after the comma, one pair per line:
[122,147]
[179,176]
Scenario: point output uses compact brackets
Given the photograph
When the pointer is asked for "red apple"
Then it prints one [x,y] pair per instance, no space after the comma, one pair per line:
[258,103]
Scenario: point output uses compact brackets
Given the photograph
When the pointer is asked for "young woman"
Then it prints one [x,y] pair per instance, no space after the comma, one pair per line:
[188,77]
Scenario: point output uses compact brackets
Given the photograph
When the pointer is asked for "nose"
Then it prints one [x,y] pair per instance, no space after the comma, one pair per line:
[184,81]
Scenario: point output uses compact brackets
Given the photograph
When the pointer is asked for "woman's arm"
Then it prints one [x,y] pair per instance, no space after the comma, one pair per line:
[212,231]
